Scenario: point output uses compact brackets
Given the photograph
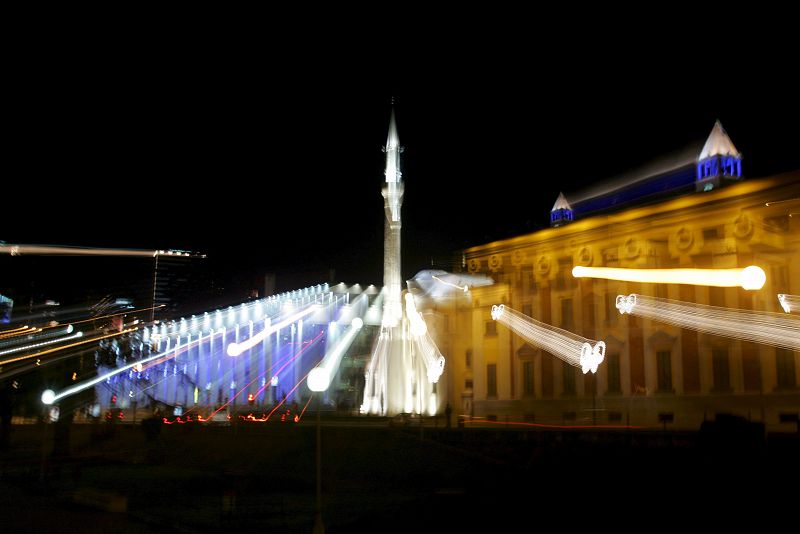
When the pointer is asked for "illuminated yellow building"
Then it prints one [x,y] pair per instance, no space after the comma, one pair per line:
[654,374]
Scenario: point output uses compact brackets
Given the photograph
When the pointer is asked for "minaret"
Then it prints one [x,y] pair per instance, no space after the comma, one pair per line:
[393,201]
[406,365]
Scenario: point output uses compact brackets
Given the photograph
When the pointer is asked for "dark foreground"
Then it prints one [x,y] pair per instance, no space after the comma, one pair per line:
[118,478]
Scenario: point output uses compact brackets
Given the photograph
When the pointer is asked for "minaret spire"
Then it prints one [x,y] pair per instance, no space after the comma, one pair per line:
[393,201]
[393,175]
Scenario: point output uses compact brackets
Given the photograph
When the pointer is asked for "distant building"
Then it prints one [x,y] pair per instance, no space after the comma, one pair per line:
[177,280]
[6,306]
[701,216]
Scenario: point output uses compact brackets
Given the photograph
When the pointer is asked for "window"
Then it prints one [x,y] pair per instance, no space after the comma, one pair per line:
[468,359]
[662,291]
[532,288]
[491,328]
[564,279]
[715,232]
[568,378]
[612,368]
[491,380]
[527,379]
[566,314]
[780,279]
[784,363]
[716,296]
[612,313]
[611,257]
[722,371]
[664,365]
[614,417]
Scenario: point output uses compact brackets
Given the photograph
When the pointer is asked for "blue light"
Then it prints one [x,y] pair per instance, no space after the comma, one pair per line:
[728,166]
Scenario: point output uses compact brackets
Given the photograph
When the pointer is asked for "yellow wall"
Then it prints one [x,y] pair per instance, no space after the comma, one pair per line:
[727,227]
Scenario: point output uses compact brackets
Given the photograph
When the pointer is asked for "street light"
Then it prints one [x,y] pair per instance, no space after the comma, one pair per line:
[318,381]
[48,398]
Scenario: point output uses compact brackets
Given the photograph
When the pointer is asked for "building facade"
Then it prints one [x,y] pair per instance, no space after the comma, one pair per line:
[654,374]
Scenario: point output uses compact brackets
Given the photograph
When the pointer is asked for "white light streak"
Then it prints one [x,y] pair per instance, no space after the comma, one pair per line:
[16,250]
[751,277]
[465,288]
[424,344]
[235,349]
[418,326]
[41,344]
[571,348]
[769,328]
[438,284]
[789,303]
[77,388]
[319,379]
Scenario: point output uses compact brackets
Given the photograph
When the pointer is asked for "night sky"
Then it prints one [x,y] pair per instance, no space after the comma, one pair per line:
[275,166]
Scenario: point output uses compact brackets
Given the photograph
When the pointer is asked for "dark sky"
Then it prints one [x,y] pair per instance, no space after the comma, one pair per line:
[275,165]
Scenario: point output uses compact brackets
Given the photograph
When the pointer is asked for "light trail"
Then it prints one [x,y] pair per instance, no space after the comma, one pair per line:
[320,377]
[269,371]
[438,284]
[16,331]
[481,421]
[789,303]
[10,339]
[126,312]
[297,385]
[776,329]
[41,344]
[751,277]
[36,337]
[18,250]
[665,164]
[424,344]
[782,201]
[571,348]
[284,363]
[308,300]
[235,349]
[50,351]
[6,374]
[85,385]
[376,376]
[303,412]
[465,288]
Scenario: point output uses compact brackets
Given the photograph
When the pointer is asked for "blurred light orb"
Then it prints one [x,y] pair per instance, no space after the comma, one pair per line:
[753,277]
[48,396]
[319,379]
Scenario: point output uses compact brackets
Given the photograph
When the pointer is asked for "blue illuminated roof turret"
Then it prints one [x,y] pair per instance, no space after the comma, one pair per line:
[562,212]
[719,159]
